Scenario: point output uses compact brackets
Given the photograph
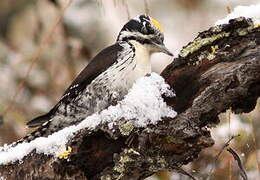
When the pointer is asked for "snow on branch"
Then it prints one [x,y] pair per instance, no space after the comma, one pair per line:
[218,70]
[143,105]
[252,11]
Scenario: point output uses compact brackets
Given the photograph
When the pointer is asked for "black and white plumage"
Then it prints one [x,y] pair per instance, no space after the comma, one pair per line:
[107,78]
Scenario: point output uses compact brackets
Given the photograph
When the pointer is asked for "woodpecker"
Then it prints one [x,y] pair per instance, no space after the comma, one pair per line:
[107,78]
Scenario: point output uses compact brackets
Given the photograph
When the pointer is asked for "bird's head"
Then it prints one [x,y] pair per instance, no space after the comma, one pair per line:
[145,30]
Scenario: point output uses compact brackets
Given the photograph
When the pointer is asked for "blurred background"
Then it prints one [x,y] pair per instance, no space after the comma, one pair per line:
[45,43]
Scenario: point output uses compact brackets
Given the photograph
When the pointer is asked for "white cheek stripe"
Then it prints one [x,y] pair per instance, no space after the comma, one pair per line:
[137,34]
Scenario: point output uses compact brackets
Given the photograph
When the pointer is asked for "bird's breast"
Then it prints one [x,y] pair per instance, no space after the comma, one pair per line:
[106,89]
[140,66]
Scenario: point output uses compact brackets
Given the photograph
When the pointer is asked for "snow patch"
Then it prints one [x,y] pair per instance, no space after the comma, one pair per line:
[252,11]
[143,105]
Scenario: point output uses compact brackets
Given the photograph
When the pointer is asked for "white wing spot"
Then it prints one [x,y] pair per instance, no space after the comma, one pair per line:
[65,95]
[76,85]
[44,124]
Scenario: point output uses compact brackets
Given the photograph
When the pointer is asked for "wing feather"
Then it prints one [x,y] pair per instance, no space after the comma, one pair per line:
[99,64]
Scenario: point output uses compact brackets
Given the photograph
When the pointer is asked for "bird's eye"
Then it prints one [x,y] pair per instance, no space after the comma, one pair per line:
[150,29]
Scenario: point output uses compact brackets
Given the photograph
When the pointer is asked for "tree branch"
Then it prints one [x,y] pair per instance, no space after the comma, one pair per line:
[218,70]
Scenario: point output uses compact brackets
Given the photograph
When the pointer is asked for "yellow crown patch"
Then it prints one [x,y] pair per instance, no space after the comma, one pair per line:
[156,24]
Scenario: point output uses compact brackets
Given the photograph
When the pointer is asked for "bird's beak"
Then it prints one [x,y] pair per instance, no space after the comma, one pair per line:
[163,49]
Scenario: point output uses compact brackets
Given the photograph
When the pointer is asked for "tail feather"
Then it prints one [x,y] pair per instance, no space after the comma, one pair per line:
[40,132]
[38,121]
[42,122]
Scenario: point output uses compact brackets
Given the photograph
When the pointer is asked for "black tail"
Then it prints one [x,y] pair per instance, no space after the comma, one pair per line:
[40,132]
[38,121]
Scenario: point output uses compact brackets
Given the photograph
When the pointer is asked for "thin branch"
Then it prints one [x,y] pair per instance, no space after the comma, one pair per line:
[229,134]
[146,7]
[239,163]
[127,9]
[219,153]
[35,58]
[255,145]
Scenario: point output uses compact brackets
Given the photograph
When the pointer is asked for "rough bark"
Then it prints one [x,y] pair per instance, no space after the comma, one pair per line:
[218,70]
